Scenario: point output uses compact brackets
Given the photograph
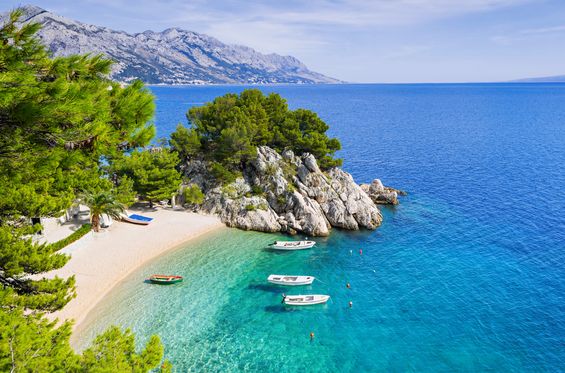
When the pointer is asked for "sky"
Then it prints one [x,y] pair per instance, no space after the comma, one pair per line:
[378,41]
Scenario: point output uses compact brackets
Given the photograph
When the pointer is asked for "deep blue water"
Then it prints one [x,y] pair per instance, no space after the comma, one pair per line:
[467,274]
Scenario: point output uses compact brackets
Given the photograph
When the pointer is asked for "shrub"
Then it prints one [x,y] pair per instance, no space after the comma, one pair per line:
[263,206]
[229,191]
[288,169]
[271,169]
[256,190]
[251,207]
[222,174]
[193,195]
[84,229]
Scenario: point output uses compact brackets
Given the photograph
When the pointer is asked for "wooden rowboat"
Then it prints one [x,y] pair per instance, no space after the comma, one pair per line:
[165,279]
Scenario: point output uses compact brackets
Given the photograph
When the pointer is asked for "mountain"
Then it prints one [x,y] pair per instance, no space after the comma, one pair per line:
[173,56]
[543,79]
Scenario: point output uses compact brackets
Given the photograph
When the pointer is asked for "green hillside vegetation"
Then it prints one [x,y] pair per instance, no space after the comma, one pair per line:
[228,130]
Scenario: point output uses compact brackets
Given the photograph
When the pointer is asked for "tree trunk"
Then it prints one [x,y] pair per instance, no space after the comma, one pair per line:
[150,204]
[96,223]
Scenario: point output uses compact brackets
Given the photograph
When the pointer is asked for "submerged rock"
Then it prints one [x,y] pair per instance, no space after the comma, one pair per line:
[288,193]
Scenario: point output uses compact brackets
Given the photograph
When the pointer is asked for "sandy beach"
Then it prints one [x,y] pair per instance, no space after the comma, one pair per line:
[101,260]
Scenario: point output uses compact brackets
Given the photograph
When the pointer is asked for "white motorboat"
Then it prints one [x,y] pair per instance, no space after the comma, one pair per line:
[292,245]
[290,280]
[305,300]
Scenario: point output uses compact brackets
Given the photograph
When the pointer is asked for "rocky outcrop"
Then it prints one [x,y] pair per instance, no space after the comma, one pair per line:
[380,194]
[288,193]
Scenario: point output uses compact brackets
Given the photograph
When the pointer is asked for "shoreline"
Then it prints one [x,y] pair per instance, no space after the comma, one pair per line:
[105,259]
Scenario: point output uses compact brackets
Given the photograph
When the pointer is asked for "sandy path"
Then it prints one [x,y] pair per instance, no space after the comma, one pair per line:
[102,260]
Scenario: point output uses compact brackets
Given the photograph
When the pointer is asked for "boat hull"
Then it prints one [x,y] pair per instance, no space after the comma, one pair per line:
[289,246]
[305,300]
[165,280]
[137,219]
[288,280]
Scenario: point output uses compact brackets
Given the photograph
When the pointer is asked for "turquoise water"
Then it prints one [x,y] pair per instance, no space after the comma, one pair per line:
[467,274]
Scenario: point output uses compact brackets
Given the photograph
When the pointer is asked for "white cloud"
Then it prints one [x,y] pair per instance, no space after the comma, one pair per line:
[543,30]
[527,34]
[293,26]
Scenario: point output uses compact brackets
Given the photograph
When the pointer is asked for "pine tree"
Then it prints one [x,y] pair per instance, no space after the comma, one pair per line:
[59,120]
[228,130]
[153,173]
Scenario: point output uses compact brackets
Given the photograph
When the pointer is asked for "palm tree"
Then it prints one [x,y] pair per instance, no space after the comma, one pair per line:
[102,203]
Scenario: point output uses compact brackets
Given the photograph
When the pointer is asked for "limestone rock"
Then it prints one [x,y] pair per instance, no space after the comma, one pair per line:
[380,194]
[288,193]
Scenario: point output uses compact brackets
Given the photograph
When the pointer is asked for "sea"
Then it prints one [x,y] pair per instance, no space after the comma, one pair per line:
[466,274]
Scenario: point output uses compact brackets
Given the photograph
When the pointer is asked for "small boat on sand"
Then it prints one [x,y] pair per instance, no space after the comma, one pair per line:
[136,219]
[290,280]
[305,300]
[165,279]
[292,245]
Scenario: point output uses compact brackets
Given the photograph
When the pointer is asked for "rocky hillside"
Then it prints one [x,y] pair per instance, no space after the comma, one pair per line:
[287,193]
[173,56]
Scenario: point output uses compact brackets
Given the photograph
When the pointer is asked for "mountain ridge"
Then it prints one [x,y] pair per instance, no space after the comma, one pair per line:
[172,56]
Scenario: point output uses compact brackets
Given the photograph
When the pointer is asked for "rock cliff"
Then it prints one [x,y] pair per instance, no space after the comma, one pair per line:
[287,193]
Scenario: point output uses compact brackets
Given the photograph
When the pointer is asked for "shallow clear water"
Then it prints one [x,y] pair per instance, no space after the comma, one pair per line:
[467,274]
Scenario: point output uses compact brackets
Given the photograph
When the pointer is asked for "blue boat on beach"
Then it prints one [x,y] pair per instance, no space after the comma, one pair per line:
[137,219]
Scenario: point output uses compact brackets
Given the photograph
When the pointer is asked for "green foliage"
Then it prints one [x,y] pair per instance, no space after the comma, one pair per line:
[31,343]
[281,200]
[124,191]
[84,229]
[230,191]
[185,142]
[222,174]
[58,118]
[114,351]
[102,203]
[20,256]
[193,195]
[288,169]
[229,129]
[250,207]
[256,190]
[153,173]
[271,169]
[263,206]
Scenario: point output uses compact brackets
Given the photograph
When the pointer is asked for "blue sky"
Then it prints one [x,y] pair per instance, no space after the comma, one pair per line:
[362,41]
